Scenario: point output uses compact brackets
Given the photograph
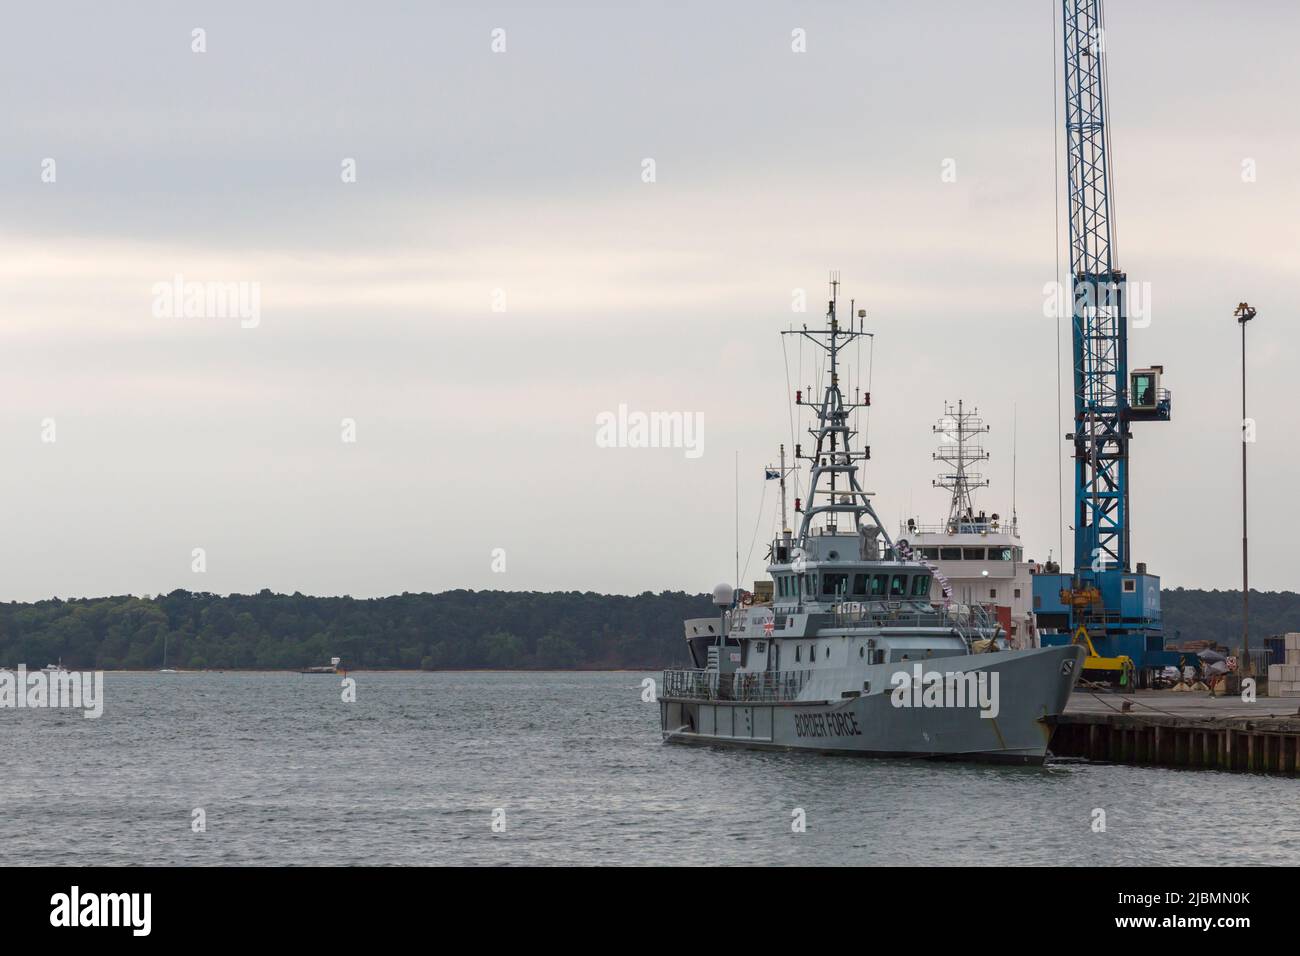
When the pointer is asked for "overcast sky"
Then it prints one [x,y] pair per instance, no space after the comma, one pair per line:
[516,179]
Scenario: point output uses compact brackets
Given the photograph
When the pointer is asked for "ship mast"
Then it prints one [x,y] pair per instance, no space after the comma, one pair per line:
[833,460]
[959,450]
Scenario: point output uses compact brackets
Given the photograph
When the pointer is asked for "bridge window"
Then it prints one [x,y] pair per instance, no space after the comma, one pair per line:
[999,554]
[859,585]
[878,584]
[834,583]
[898,586]
[972,554]
[921,586]
[950,554]
[930,554]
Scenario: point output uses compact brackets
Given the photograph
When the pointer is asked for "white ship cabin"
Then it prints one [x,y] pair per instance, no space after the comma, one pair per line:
[981,560]
[839,602]
[834,568]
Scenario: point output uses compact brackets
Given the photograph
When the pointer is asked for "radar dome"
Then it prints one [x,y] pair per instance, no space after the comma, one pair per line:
[723,595]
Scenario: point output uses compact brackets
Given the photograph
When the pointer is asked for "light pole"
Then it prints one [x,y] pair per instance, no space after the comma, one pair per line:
[1244,314]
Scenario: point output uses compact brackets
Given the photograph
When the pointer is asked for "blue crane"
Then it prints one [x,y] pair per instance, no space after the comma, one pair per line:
[1119,606]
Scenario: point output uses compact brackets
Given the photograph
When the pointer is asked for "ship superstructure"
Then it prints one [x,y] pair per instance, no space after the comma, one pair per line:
[977,557]
[850,653]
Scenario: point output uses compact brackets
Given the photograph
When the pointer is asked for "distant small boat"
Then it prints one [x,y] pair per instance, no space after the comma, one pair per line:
[55,668]
[331,668]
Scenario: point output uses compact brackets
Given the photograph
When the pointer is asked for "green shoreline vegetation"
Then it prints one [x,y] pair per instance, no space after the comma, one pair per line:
[461,630]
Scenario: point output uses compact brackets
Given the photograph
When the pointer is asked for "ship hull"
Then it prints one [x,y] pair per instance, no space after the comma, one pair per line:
[1031,687]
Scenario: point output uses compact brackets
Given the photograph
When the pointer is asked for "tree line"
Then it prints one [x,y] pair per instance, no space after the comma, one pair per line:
[453,629]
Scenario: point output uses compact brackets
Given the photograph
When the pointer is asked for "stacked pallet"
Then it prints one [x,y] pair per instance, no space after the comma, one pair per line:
[1284,679]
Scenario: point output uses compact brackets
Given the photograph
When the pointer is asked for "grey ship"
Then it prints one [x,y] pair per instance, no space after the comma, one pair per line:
[844,652]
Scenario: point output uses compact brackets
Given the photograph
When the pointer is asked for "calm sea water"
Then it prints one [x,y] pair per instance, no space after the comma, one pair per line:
[412,771]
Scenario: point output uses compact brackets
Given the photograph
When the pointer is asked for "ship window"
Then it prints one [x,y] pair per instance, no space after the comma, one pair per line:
[828,651]
[834,583]
[797,651]
[859,585]
[898,586]
[993,592]
[972,554]
[878,584]
[862,652]
[1017,593]
[950,554]
[1130,586]
[930,554]
[921,585]
[999,554]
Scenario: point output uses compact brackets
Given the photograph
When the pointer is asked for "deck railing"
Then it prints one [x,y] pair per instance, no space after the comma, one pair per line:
[905,613]
[764,687]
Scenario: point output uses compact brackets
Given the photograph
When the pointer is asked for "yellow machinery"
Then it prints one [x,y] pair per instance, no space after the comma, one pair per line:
[1119,669]
[1110,669]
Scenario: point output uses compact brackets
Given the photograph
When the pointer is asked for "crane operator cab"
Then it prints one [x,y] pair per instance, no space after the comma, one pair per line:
[1146,398]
